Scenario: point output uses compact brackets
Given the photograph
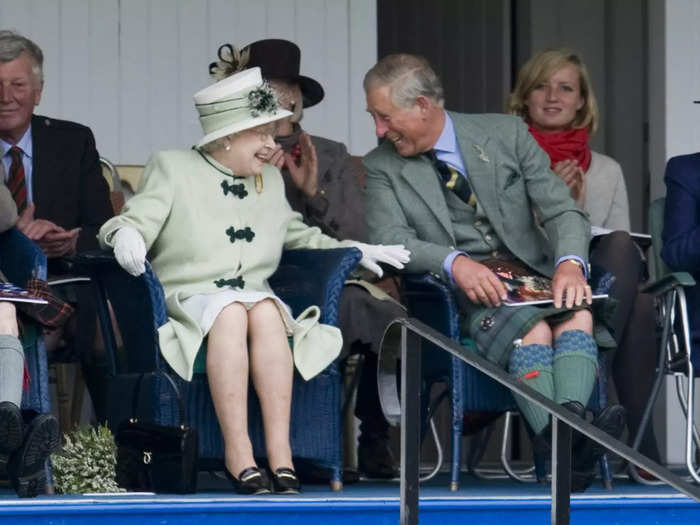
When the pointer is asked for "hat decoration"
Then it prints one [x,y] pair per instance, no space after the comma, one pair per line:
[231,60]
[278,59]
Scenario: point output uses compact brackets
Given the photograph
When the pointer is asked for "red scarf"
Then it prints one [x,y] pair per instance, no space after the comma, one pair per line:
[572,144]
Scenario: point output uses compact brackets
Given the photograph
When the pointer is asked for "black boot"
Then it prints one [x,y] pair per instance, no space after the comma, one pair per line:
[611,421]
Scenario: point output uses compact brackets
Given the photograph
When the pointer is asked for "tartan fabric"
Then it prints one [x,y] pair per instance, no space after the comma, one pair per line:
[53,314]
[16,183]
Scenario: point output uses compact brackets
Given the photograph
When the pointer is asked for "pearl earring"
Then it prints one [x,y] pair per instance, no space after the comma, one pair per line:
[227,147]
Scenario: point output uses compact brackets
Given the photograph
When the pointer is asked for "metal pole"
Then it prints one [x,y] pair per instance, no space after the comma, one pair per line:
[410,425]
[561,472]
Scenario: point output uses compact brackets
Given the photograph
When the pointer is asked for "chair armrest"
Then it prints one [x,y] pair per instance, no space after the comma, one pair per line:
[314,277]
[433,302]
[668,282]
[21,258]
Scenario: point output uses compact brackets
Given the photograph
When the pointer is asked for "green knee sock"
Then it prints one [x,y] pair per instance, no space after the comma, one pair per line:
[575,366]
[532,364]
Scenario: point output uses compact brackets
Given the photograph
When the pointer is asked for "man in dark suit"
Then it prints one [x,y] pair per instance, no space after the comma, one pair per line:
[468,193]
[681,234]
[53,172]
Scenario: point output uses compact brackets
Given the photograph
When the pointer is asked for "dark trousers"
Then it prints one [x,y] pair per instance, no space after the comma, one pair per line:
[362,321]
[634,360]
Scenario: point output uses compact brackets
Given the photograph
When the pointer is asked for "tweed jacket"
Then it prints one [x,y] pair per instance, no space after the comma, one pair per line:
[510,176]
[205,229]
[338,206]
[68,185]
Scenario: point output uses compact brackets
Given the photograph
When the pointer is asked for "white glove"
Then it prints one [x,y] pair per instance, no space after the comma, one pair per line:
[394,255]
[130,250]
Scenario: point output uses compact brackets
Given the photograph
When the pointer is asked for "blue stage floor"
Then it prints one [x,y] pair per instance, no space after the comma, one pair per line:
[477,502]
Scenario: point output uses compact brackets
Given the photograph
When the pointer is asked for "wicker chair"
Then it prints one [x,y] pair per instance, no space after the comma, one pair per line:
[304,277]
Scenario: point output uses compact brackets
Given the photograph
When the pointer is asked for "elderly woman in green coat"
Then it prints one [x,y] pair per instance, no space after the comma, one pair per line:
[214,221]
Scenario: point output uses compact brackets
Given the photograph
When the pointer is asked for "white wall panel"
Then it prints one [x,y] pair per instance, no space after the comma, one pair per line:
[129,68]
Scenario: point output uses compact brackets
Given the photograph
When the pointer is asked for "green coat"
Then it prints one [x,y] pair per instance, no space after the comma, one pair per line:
[196,233]
[510,176]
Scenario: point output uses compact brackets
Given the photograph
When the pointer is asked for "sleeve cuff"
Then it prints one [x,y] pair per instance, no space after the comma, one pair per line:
[447,265]
[576,258]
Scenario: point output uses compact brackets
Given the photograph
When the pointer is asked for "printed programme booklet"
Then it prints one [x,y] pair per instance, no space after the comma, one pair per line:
[523,287]
[10,292]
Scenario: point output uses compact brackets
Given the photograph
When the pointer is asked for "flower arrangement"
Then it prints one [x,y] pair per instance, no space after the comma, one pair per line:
[86,462]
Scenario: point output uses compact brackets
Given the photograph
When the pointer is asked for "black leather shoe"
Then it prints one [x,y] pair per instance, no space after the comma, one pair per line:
[285,481]
[26,467]
[610,420]
[10,433]
[375,459]
[251,480]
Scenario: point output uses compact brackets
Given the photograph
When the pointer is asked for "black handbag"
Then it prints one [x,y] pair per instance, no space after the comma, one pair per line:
[157,458]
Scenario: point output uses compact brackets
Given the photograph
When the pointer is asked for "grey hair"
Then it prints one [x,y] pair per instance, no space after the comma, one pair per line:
[289,97]
[408,77]
[12,45]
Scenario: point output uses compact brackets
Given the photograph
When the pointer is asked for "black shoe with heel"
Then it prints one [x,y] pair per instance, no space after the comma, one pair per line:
[11,433]
[251,480]
[285,481]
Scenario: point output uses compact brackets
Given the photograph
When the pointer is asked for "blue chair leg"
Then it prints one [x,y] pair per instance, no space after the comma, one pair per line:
[601,385]
[457,422]
[336,479]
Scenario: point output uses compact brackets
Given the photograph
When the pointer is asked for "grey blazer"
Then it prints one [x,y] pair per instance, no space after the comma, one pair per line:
[510,176]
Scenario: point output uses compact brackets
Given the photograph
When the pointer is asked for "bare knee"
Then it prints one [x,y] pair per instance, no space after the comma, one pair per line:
[8,319]
[540,334]
[581,320]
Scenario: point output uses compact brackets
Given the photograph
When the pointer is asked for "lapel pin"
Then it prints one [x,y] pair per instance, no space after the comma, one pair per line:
[481,152]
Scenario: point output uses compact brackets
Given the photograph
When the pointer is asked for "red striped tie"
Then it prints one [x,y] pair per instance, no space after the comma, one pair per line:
[16,183]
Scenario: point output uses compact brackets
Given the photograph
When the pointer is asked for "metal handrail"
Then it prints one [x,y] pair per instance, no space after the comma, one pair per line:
[402,342]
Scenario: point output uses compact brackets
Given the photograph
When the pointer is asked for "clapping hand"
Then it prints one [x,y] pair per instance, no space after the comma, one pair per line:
[572,174]
[305,173]
[53,240]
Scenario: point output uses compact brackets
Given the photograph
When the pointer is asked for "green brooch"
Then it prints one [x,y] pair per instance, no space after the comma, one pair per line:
[262,100]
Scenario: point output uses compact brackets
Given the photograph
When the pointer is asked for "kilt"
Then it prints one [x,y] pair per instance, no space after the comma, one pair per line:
[494,330]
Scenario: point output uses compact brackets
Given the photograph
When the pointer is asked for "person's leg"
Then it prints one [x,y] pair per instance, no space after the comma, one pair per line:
[531,362]
[362,320]
[11,375]
[272,371]
[575,362]
[618,254]
[11,356]
[633,371]
[227,373]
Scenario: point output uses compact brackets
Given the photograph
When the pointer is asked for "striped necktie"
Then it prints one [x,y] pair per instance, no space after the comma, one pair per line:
[451,178]
[16,183]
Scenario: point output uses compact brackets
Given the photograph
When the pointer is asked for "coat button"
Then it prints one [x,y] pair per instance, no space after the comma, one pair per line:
[487,323]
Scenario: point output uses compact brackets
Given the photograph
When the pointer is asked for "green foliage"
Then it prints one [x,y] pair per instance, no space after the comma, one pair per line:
[86,462]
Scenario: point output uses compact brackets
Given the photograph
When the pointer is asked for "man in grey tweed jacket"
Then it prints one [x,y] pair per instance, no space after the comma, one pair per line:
[458,189]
